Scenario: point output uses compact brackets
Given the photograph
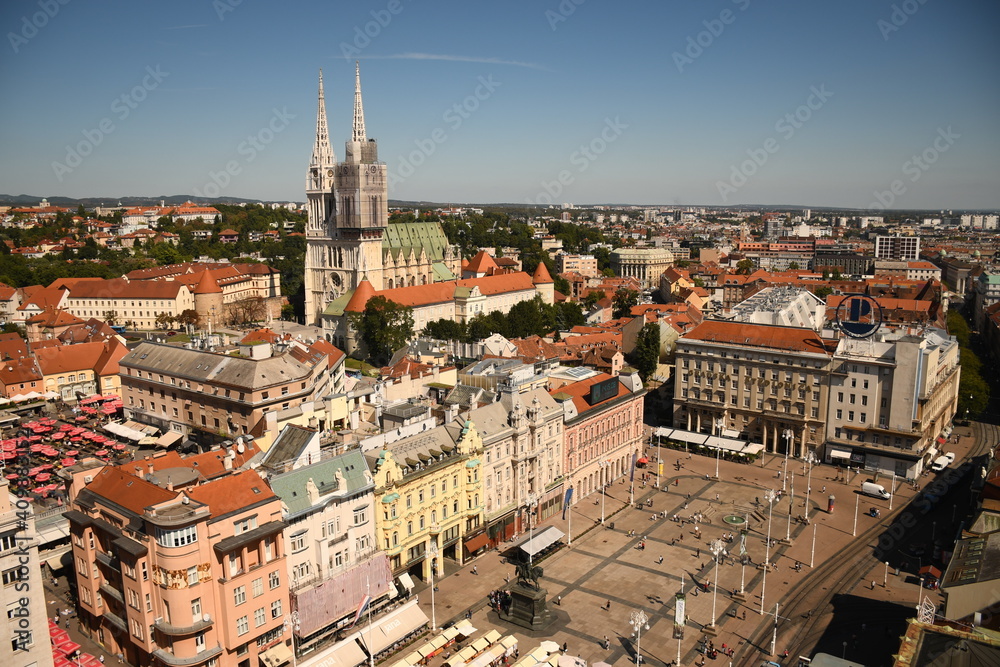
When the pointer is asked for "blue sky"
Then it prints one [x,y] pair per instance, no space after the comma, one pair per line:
[587,101]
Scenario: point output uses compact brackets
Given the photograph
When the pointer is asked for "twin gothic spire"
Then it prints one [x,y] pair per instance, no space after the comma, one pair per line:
[322,155]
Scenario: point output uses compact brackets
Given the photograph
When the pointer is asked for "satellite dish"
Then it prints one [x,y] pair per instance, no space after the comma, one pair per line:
[240,448]
[206,618]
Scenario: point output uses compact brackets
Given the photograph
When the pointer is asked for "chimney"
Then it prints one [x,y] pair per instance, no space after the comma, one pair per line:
[170,485]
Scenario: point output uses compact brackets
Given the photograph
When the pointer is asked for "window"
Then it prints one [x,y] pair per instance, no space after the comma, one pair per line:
[268,549]
[136,629]
[850,416]
[242,625]
[361,515]
[178,537]
[258,587]
[298,542]
[853,396]
[196,608]
[276,609]
[199,642]
[274,580]
[864,417]
[192,573]
[864,400]
[244,525]
[133,598]
[840,414]
[259,618]
[239,595]
[235,564]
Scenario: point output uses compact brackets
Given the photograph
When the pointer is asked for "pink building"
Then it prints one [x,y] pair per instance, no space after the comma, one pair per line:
[602,429]
[180,562]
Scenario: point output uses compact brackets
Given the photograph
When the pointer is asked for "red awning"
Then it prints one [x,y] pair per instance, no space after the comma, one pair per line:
[941,440]
[643,460]
[931,571]
[476,543]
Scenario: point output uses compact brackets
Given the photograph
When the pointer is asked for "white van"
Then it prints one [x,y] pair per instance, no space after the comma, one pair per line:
[874,490]
[941,462]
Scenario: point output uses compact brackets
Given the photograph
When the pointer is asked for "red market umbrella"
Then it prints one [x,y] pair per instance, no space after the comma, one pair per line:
[35,438]
[68,648]
[68,461]
[119,446]
[58,435]
[61,661]
[81,418]
[76,438]
[101,452]
[72,452]
[12,475]
[43,477]
[8,456]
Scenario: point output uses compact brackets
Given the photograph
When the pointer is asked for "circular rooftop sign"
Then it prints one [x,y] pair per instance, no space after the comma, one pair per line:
[859,315]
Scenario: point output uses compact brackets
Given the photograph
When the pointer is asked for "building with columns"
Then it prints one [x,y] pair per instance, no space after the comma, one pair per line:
[768,383]
[348,234]
[643,264]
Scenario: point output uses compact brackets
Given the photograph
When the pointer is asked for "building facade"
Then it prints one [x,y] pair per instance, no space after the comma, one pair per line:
[179,571]
[603,431]
[643,264]
[429,494]
[191,391]
[768,383]
[333,557]
[901,248]
[585,265]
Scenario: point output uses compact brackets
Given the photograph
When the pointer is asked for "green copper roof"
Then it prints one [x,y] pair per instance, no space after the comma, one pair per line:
[427,235]
[442,272]
[336,307]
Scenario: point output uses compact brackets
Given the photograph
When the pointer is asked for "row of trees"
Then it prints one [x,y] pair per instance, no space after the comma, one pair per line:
[527,318]
[973,390]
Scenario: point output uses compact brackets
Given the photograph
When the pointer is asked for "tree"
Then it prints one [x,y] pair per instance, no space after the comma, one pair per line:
[623,301]
[793,266]
[591,299]
[646,355]
[189,318]
[562,285]
[744,267]
[246,310]
[111,317]
[823,292]
[383,327]
[445,329]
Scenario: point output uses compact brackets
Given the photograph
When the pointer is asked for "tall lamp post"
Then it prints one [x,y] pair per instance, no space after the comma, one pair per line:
[791,504]
[433,551]
[716,547]
[292,623]
[604,485]
[811,460]
[719,424]
[787,434]
[769,496]
[639,622]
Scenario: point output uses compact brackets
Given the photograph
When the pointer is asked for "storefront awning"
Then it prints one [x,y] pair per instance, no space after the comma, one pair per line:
[465,628]
[474,544]
[840,454]
[389,629]
[406,581]
[277,655]
[168,439]
[541,540]
[347,653]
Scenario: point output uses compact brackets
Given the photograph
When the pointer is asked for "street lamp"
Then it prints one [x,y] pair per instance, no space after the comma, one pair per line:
[719,423]
[639,622]
[433,551]
[857,502]
[787,434]
[716,547]
[604,485]
[811,460]
[791,504]
[769,496]
[291,623]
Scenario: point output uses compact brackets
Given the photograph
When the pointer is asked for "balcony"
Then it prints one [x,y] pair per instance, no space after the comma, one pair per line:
[115,620]
[175,661]
[179,630]
[110,592]
[108,561]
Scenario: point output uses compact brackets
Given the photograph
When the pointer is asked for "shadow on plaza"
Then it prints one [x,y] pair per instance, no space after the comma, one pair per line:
[870,628]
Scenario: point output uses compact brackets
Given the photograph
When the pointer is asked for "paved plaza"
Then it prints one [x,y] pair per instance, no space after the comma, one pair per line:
[605,565]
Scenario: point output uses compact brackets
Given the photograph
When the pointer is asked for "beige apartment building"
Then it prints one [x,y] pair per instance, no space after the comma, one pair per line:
[644,264]
[135,302]
[191,391]
[585,265]
[892,400]
[181,566]
[768,383]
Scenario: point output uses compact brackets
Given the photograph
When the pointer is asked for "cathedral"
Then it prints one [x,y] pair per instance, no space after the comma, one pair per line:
[349,238]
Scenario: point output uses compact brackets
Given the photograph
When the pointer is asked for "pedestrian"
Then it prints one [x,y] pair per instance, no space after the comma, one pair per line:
[566,647]
[607,643]
[698,552]
[659,560]
[873,584]
[475,570]
[559,600]
[101,658]
[744,615]
[608,606]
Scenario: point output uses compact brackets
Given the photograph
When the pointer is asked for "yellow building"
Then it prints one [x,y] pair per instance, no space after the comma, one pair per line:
[429,493]
[75,371]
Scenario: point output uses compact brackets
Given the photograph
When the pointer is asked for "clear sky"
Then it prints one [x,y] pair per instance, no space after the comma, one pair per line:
[807,102]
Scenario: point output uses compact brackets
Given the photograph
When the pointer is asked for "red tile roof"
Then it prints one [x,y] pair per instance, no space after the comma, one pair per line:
[541,275]
[131,492]
[761,335]
[580,390]
[232,493]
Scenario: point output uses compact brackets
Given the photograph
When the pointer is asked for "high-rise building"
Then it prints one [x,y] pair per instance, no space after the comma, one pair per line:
[900,248]
[348,234]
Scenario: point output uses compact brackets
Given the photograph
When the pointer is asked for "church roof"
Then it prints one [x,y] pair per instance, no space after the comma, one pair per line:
[541,275]
[207,284]
[360,298]
[416,235]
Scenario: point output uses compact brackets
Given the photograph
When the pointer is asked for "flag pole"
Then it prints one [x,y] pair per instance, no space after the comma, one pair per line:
[371,650]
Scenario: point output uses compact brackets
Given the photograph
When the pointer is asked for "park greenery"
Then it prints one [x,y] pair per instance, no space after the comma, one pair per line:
[527,318]
[973,390]
[383,327]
